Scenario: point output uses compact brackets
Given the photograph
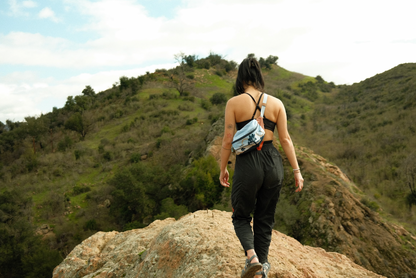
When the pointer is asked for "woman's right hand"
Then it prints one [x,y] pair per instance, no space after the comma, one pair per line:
[298,181]
[224,176]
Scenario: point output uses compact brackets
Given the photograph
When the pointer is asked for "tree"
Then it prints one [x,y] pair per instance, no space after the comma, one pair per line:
[35,127]
[271,60]
[180,82]
[200,188]
[81,123]
[190,60]
[2,127]
[134,86]
[70,103]
[130,200]
[22,253]
[124,83]
[229,66]
[88,91]
[214,58]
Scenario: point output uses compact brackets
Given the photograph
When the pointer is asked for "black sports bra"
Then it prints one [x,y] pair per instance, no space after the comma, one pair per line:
[270,125]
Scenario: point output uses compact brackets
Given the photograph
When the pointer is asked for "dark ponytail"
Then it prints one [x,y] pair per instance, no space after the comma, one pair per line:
[249,73]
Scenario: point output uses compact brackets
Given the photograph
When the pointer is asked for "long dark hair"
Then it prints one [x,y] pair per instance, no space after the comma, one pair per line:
[249,73]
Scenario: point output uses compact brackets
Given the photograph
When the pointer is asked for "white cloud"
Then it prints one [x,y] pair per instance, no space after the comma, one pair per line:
[25,94]
[47,13]
[29,4]
[17,8]
[343,41]
[299,32]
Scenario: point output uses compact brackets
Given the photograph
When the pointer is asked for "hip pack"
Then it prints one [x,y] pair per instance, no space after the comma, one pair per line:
[252,134]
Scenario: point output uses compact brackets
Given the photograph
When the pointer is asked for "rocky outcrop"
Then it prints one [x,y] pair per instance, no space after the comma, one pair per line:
[201,244]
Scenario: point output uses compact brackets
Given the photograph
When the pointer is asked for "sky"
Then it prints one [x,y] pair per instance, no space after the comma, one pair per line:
[52,49]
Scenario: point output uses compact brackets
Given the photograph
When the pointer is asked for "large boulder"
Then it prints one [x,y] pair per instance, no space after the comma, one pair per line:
[201,244]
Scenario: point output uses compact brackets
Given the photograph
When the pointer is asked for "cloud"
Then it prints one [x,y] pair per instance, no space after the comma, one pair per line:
[26,94]
[17,8]
[29,4]
[47,13]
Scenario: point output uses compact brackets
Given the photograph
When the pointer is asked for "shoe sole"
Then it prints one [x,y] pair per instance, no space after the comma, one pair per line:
[252,271]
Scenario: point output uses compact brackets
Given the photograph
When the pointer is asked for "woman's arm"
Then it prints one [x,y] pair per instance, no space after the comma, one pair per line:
[287,145]
[229,128]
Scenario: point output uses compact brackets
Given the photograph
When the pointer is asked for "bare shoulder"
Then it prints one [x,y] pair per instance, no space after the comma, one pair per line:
[234,100]
[275,101]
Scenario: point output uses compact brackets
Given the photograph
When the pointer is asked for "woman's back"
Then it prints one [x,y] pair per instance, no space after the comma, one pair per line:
[243,107]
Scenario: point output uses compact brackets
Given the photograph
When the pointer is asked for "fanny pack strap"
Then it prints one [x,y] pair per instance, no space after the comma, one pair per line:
[263,108]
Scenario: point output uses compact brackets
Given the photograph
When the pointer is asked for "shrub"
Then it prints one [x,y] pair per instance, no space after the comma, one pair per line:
[205,104]
[78,154]
[190,98]
[191,121]
[135,157]
[170,209]
[91,225]
[79,189]
[370,204]
[100,148]
[118,114]
[125,128]
[218,98]
[185,107]
[108,156]
[134,225]
[65,143]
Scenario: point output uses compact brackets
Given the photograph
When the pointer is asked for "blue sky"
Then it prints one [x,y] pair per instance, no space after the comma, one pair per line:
[51,49]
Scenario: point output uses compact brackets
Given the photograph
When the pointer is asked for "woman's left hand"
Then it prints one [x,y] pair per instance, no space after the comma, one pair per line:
[224,176]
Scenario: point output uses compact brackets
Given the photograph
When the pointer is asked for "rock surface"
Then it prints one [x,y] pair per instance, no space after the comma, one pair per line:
[201,244]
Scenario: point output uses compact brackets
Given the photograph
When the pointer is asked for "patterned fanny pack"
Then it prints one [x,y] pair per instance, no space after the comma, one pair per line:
[252,134]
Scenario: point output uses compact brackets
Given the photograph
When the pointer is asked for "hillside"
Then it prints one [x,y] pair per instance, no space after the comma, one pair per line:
[135,153]
[368,130]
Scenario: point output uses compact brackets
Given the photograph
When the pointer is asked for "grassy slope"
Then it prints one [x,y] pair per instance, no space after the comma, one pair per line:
[368,130]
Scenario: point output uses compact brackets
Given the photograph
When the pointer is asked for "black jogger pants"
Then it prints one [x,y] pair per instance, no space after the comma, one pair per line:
[256,187]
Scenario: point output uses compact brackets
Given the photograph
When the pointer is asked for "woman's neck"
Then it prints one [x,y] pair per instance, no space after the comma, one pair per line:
[252,91]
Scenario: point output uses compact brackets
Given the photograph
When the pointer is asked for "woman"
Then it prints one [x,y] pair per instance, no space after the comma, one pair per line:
[258,174]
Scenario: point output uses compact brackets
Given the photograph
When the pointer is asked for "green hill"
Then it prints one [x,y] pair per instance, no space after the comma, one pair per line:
[368,129]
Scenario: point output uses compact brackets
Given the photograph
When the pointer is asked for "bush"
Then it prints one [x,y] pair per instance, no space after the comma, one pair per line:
[218,98]
[134,225]
[78,153]
[100,148]
[65,143]
[205,104]
[136,157]
[191,121]
[108,156]
[91,225]
[170,209]
[79,189]
[185,107]
[370,204]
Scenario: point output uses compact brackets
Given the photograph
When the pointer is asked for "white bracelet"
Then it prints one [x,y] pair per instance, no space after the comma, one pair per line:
[296,170]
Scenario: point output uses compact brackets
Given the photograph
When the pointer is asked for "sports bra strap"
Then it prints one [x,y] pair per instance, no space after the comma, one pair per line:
[257,104]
